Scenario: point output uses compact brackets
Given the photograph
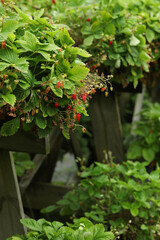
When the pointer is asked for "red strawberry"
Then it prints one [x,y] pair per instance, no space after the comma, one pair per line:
[2,1]
[58,84]
[103,89]
[46,98]
[53,1]
[56,104]
[69,108]
[47,90]
[88,20]
[84,98]
[74,110]
[110,42]
[150,131]
[78,116]
[93,67]
[3,44]
[73,96]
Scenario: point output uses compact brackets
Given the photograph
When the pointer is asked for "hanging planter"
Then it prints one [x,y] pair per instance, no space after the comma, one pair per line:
[41,79]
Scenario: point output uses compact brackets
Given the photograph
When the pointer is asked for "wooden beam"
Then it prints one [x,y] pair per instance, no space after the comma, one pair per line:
[28,176]
[40,195]
[11,210]
[25,142]
[46,170]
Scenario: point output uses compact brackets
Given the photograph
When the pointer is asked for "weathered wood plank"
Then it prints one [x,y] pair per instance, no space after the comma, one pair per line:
[137,109]
[106,126]
[11,210]
[28,176]
[45,171]
[25,142]
[40,195]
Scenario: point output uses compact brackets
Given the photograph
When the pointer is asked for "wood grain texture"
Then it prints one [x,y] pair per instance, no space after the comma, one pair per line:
[11,210]
[25,142]
[46,193]
[106,126]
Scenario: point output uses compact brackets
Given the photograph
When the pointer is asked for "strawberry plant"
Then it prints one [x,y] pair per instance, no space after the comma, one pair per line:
[81,229]
[144,145]
[40,75]
[123,37]
[123,197]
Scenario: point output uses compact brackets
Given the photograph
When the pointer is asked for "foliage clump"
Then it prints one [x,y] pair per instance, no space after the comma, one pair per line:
[80,230]
[124,197]
[42,77]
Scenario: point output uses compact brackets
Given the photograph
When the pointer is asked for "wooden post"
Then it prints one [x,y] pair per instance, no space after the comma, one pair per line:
[11,210]
[106,126]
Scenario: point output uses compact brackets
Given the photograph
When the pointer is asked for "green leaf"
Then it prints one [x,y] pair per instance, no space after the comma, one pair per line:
[9,98]
[130,60]
[31,41]
[62,67]
[88,41]
[41,121]
[115,208]
[144,227]
[144,57]
[65,38]
[43,132]
[51,110]
[22,65]
[127,31]
[134,211]
[45,55]
[148,154]
[31,224]
[3,65]
[135,151]
[21,93]
[150,35]
[78,73]
[8,27]
[12,57]
[83,53]
[49,209]
[118,63]
[65,133]
[134,41]
[126,205]
[30,78]
[49,47]
[8,55]
[57,91]
[23,84]
[38,13]
[110,29]
[11,127]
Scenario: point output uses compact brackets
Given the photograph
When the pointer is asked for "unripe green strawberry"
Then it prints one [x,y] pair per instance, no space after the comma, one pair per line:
[16,81]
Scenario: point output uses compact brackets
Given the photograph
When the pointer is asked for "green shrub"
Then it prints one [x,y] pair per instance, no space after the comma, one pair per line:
[145,144]
[82,229]
[122,36]
[122,196]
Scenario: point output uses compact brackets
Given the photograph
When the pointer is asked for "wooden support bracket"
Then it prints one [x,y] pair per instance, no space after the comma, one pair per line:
[11,210]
